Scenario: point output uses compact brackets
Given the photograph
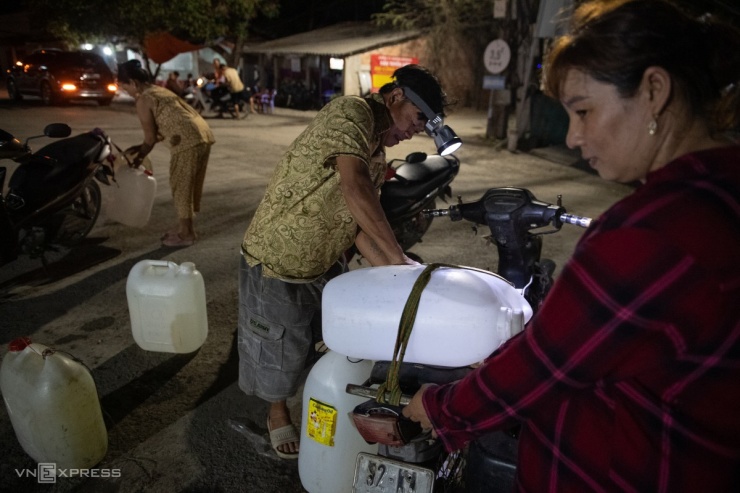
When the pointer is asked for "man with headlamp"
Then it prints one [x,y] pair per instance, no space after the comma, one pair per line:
[323,198]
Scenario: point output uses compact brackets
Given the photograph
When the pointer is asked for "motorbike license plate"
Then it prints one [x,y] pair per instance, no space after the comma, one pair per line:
[376,474]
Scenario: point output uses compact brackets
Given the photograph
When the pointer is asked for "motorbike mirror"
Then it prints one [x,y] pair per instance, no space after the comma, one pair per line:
[57,130]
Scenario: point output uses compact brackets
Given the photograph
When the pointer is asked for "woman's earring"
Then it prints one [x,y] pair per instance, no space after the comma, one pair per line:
[653,126]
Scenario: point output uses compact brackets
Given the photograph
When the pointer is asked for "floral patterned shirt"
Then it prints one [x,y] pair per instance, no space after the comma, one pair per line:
[179,126]
[303,224]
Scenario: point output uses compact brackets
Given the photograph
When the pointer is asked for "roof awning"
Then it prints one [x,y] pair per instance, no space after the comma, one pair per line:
[340,40]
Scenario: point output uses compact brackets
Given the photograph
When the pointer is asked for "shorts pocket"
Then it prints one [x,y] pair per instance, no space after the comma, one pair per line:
[263,341]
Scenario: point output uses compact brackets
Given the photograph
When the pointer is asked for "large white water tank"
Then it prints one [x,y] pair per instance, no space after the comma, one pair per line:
[464,314]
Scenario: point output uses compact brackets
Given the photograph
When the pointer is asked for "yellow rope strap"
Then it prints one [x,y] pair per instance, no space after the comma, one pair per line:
[405,326]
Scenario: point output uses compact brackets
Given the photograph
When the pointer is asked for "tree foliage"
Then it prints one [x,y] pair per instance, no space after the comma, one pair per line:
[129,22]
[458,33]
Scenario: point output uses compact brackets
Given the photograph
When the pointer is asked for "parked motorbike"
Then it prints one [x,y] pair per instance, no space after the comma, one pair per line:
[50,197]
[411,186]
[462,316]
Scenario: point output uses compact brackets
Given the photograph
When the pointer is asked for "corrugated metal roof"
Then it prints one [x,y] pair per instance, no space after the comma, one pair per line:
[340,40]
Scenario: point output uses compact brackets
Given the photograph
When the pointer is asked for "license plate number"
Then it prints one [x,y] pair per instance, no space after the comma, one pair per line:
[376,474]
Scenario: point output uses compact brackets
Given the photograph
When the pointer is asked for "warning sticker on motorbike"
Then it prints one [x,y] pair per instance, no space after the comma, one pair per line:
[321,422]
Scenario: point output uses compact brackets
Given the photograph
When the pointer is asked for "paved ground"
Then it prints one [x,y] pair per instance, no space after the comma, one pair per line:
[176,423]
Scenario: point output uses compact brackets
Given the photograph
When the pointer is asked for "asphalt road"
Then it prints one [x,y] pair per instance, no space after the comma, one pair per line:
[176,423]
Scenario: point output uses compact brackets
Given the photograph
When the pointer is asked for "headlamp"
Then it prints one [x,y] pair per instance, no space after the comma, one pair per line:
[444,137]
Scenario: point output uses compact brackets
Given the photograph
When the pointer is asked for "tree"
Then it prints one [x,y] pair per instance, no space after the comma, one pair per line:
[458,33]
[129,22]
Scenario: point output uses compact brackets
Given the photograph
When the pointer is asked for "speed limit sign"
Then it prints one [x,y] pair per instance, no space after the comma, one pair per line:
[497,56]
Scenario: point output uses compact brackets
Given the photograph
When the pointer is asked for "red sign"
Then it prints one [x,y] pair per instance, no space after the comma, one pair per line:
[383,66]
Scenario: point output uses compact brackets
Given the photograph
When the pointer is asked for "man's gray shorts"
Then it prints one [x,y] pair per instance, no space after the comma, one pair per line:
[279,322]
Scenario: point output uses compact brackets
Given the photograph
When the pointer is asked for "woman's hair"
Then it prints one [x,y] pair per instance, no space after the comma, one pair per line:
[422,82]
[132,71]
[615,41]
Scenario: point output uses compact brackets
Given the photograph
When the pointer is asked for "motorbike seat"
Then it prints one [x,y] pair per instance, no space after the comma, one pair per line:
[78,151]
[413,375]
[415,180]
[55,167]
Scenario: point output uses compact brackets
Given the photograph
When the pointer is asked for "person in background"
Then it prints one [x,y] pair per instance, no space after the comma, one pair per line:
[189,85]
[190,81]
[168,118]
[322,199]
[627,377]
[236,87]
[219,78]
[173,84]
[255,102]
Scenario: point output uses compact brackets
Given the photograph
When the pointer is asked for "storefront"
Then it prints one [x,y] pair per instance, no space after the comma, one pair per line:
[308,69]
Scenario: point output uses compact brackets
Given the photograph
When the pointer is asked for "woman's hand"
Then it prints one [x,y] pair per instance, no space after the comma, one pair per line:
[134,151]
[140,151]
[415,410]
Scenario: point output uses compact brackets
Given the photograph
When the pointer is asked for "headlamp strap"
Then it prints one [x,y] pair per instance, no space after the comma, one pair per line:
[433,119]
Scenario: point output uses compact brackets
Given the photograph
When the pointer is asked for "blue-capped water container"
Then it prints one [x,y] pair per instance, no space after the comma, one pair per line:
[167,305]
[53,406]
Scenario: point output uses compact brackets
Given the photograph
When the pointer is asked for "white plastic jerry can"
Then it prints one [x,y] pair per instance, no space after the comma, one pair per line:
[329,440]
[464,314]
[53,406]
[167,305]
[132,196]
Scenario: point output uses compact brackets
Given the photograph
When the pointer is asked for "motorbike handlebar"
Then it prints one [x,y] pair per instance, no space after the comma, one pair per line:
[581,221]
[439,213]
[511,205]
[565,218]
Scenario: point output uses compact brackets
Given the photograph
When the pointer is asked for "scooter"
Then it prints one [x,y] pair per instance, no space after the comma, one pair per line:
[210,98]
[459,317]
[411,186]
[50,198]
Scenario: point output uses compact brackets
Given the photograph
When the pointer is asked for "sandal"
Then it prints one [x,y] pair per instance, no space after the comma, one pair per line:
[167,233]
[281,436]
[176,241]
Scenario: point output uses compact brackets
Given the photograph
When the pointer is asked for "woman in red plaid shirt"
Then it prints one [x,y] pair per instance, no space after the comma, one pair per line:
[628,378]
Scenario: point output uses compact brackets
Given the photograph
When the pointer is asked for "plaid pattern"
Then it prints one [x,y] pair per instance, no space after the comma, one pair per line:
[628,379]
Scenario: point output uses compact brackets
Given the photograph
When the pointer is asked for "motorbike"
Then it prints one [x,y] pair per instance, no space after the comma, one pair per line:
[210,98]
[458,319]
[411,186]
[50,198]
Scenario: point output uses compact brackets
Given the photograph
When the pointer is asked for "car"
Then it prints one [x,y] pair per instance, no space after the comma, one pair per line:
[58,76]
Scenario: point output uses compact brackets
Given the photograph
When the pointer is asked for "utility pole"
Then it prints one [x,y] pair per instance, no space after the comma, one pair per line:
[496,60]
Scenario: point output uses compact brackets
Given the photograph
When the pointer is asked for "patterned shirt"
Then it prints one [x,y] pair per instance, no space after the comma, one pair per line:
[303,224]
[179,126]
[628,379]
